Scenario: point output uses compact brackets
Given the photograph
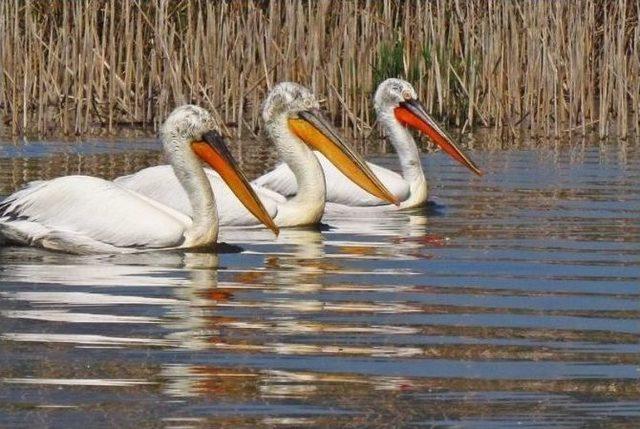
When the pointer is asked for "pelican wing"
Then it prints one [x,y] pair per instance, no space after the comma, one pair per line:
[340,189]
[161,184]
[83,214]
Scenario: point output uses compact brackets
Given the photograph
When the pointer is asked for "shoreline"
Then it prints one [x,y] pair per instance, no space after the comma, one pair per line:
[502,134]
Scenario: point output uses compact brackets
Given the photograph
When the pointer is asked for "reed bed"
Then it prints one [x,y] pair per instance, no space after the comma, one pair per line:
[547,67]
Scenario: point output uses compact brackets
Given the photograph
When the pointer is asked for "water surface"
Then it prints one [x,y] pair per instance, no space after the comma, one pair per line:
[512,300]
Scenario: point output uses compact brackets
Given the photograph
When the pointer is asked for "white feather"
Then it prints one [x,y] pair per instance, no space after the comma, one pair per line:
[161,184]
[340,189]
[91,214]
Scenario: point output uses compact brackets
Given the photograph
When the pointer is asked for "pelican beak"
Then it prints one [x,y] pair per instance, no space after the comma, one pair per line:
[213,150]
[413,114]
[320,135]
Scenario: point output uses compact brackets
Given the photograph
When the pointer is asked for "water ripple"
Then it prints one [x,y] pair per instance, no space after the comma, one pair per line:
[513,300]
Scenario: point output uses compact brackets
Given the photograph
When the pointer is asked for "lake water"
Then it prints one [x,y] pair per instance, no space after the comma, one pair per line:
[513,300]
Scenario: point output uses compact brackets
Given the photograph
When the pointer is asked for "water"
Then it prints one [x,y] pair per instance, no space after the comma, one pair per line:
[512,301]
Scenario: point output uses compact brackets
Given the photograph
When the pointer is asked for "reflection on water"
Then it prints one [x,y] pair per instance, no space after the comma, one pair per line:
[512,300]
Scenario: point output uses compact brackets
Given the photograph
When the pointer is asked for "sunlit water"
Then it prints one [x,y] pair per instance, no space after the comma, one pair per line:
[512,301]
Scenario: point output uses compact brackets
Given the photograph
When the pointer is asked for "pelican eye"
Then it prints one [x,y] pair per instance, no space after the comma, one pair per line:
[308,103]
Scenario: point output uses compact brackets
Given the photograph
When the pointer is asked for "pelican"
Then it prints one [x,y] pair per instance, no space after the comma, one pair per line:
[81,214]
[295,124]
[397,107]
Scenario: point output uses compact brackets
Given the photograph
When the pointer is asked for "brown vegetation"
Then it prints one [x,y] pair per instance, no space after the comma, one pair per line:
[551,67]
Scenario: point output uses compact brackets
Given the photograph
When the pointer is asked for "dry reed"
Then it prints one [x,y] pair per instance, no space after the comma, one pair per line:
[551,67]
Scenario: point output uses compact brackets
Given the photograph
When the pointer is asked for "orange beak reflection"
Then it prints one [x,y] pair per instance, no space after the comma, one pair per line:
[411,113]
[316,132]
[212,150]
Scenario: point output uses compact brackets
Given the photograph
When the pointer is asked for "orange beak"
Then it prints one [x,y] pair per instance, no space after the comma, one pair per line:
[213,150]
[413,114]
[320,135]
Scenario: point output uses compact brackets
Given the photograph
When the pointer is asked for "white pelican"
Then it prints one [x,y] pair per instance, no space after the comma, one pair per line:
[295,124]
[81,214]
[397,107]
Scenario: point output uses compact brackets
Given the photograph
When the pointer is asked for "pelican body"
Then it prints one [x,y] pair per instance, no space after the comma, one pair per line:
[81,214]
[294,123]
[398,108]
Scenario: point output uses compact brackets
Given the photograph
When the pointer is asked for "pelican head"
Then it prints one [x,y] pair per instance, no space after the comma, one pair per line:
[186,124]
[190,130]
[396,98]
[391,93]
[286,99]
[298,108]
